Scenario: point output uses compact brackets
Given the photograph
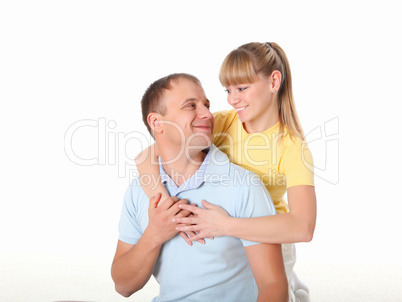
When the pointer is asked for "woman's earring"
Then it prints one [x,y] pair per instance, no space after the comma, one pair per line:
[273,91]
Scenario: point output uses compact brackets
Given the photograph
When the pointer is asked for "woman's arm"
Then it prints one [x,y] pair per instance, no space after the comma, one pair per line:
[266,263]
[296,226]
[149,175]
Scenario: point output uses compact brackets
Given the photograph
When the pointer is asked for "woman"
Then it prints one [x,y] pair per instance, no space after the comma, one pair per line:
[262,134]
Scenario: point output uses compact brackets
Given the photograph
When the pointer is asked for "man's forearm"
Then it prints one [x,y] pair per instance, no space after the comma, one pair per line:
[132,270]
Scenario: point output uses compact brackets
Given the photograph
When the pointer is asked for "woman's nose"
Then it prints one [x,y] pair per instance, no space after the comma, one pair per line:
[233,99]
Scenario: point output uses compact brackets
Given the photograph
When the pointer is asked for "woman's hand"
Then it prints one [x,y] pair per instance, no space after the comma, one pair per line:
[188,235]
[207,223]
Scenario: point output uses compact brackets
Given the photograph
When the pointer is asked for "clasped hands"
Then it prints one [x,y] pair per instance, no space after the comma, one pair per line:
[172,215]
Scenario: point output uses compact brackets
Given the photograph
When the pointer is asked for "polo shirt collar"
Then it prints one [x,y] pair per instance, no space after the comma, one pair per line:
[214,166]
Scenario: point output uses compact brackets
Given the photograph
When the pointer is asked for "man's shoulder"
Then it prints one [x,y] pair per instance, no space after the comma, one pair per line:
[135,183]
[221,163]
[224,172]
[134,191]
[239,173]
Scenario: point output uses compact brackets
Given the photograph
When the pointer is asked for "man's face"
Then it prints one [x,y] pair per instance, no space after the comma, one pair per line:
[188,122]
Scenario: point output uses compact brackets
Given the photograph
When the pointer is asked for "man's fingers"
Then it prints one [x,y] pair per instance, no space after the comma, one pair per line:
[168,203]
[153,202]
[175,207]
[183,213]
[191,208]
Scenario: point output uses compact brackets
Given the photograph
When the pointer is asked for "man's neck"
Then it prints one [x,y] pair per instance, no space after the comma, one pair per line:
[181,167]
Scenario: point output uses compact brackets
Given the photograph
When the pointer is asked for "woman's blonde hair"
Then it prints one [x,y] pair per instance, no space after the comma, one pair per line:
[244,64]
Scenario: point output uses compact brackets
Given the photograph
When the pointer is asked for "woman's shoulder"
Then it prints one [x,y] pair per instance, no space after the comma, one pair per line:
[225,114]
[291,140]
[224,119]
[296,161]
[294,147]
[291,143]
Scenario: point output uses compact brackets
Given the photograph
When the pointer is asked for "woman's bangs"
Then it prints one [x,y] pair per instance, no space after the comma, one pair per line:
[238,68]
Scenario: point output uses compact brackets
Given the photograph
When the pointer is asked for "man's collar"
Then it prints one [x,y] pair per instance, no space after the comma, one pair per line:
[217,166]
[212,169]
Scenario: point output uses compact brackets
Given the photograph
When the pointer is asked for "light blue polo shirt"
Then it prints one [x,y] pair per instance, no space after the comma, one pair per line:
[218,270]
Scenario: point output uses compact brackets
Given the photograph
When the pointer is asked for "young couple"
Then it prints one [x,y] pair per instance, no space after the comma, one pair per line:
[250,253]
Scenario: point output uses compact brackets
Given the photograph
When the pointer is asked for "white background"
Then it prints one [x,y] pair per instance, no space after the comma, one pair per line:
[62,62]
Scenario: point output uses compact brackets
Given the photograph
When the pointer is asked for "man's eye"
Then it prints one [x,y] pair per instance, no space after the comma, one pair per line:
[190,105]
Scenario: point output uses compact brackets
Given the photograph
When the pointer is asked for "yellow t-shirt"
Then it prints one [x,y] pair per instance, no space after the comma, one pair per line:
[280,163]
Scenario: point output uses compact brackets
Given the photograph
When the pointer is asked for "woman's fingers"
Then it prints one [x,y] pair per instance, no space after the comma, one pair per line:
[191,208]
[207,205]
[186,228]
[189,237]
[192,235]
[197,237]
[186,238]
[185,220]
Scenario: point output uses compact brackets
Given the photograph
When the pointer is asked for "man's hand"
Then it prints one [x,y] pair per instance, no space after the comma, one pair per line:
[161,227]
[187,236]
[207,223]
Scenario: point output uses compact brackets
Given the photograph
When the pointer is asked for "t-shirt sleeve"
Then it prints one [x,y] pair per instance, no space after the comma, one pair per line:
[223,120]
[129,228]
[298,165]
[254,201]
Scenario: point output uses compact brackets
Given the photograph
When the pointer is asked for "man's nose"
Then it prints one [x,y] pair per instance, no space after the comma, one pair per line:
[204,112]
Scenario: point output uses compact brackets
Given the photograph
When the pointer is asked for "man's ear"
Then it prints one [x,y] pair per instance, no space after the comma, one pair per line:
[153,122]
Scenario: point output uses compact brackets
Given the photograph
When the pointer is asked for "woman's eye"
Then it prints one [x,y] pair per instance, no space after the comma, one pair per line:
[242,88]
[227,91]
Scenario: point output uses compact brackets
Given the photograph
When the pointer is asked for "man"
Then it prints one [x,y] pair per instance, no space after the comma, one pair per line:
[176,112]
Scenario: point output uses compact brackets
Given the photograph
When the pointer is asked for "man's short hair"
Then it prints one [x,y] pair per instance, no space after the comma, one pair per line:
[152,98]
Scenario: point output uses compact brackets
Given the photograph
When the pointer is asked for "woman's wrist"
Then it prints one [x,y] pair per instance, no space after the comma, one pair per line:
[230,226]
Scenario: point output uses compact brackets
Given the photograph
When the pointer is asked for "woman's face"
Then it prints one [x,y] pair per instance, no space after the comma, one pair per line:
[254,103]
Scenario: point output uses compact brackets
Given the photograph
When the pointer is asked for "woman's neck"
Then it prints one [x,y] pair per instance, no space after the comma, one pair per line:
[263,123]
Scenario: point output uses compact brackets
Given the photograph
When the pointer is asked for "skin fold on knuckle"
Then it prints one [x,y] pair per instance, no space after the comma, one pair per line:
[183,214]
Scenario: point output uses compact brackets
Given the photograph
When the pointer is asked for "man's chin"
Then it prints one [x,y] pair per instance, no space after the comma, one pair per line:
[200,147]
[199,141]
